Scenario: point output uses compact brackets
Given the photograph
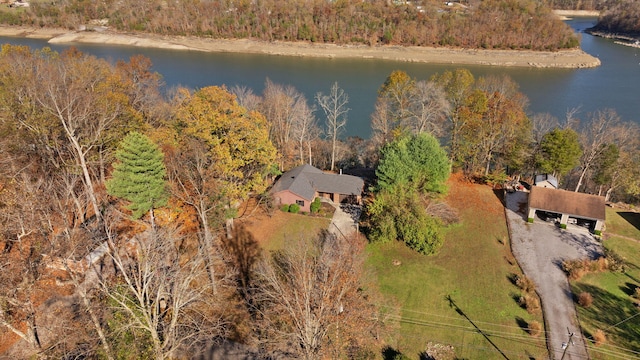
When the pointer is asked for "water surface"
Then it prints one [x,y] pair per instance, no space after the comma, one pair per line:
[615,84]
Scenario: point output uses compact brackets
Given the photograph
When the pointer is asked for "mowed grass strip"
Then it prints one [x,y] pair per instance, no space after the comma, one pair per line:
[613,310]
[473,270]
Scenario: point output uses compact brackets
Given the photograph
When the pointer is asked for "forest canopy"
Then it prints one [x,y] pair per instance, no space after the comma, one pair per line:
[490,24]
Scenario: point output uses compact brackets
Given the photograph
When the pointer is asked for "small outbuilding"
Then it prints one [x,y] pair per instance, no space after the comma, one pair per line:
[546,181]
[301,185]
[569,206]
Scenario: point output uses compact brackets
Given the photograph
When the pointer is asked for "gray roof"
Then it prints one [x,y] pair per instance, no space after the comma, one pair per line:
[550,178]
[305,180]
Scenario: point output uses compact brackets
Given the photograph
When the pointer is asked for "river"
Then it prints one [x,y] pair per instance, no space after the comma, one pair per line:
[615,84]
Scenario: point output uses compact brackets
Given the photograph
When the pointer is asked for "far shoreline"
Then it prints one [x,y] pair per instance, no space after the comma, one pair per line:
[573,59]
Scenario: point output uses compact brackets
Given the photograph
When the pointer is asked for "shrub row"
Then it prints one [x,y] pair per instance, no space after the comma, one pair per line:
[611,261]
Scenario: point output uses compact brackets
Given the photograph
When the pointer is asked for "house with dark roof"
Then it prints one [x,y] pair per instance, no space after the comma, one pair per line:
[301,185]
[568,205]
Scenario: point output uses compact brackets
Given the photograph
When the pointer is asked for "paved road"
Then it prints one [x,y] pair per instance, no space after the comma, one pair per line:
[540,249]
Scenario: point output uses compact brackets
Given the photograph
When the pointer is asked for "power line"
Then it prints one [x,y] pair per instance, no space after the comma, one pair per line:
[620,353]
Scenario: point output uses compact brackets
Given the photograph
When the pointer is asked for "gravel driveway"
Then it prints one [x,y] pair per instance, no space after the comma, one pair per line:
[540,249]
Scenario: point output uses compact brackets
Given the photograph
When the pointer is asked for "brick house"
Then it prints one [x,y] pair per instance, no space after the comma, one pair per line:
[301,185]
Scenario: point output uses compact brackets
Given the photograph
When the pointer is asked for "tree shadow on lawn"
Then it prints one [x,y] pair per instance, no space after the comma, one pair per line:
[499,193]
[244,252]
[612,314]
[629,288]
[632,218]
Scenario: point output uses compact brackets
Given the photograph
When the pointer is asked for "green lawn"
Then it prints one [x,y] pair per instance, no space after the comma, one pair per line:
[295,225]
[613,309]
[473,269]
[623,222]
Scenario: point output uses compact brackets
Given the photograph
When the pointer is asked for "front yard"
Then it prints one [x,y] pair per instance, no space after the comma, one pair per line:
[614,311]
[462,296]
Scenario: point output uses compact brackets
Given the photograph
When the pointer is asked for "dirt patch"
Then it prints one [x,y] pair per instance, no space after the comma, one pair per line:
[463,194]
[263,226]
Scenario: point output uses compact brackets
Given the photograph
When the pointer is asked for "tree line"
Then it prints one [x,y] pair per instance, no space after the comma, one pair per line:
[490,24]
[485,125]
[620,19]
[582,4]
[118,198]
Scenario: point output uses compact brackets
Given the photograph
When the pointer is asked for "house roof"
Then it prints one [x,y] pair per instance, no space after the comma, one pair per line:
[567,202]
[546,177]
[305,180]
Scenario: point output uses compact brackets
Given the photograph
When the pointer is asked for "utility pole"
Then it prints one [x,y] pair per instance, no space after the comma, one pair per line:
[565,346]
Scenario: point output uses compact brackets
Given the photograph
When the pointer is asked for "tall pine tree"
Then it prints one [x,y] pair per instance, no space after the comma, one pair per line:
[139,175]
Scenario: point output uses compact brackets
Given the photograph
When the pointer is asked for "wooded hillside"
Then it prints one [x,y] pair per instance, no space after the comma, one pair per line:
[490,24]
[621,19]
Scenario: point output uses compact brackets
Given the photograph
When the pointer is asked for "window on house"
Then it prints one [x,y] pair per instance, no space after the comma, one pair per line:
[300,202]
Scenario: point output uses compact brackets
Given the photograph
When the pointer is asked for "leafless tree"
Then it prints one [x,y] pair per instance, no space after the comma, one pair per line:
[429,108]
[334,106]
[75,90]
[304,130]
[162,291]
[282,106]
[542,123]
[307,295]
[381,124]
[193,182]
[245,97]
[603,128]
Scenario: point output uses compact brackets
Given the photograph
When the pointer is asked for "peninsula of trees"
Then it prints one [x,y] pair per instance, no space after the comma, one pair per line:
[620,22]
[488,24]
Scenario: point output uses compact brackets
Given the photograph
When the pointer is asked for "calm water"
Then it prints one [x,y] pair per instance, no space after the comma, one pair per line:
[615,84]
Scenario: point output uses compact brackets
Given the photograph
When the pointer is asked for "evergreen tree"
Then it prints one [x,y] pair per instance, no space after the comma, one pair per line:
[139,175]
[560,152]
[416,162]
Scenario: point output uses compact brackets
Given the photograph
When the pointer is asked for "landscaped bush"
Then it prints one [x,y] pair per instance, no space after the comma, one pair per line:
[400,215]
[294,208]
[599,338]
[285,208]
[576,269]
[534,328]
[315,205]
[525,284]
[585,299]
[530,303]
[611,261]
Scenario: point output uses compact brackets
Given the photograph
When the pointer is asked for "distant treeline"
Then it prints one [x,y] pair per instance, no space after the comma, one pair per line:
[622,19]
[491,24]
[582,4]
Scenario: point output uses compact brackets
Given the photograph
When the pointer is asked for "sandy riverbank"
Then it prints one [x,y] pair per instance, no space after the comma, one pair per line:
[540,59]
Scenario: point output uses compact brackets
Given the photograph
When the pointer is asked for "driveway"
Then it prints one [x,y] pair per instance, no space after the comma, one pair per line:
[345,219]
[540,249]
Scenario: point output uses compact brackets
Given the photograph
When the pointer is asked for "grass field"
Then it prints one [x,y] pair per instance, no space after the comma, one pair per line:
[613,310]
[473,269]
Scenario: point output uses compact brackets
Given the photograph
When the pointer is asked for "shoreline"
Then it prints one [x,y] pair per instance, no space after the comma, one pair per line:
[571,59]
